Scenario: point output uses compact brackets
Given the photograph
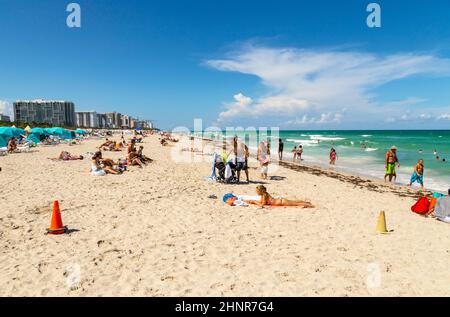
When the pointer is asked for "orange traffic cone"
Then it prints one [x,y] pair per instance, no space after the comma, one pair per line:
[56,226]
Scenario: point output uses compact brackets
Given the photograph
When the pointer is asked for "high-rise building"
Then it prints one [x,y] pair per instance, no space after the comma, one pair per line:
[102,120]
[126,122]
[113,120]
[45,111]
[87,119]
[5,118]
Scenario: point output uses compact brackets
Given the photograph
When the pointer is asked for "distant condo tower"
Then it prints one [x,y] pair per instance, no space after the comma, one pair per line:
[52,112]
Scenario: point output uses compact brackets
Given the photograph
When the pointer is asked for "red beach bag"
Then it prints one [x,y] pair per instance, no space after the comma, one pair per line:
[422,206]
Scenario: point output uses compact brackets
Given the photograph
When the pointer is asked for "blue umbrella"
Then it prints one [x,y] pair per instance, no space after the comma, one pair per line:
[3,141]
[39,131]
[17,131]
[35,138]
[7,133]
[79,131]
[60,132]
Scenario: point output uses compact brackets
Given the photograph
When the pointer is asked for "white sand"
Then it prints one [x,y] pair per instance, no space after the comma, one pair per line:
[155,232]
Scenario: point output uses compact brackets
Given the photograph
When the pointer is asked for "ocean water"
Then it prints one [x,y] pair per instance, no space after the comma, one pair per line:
[368,160]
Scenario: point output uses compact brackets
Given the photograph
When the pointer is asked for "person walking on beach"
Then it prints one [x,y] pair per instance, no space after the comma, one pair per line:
[300,153]
[242,153]
[264,158]
[391,161]
[333,156]
[280,149]
[417,176]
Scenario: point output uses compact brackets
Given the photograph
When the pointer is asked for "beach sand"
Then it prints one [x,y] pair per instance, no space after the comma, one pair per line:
[155,232]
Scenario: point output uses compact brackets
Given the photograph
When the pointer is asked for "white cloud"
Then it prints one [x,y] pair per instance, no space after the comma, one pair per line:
[426,116]
[303,82]
[445,116]
[5,108]
[323,118]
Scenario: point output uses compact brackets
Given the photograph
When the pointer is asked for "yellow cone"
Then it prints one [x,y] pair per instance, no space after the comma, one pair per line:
[381,227]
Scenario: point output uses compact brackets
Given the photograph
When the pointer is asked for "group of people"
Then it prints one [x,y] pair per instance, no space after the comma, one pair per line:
[135,157]
[231,163]
[392,162]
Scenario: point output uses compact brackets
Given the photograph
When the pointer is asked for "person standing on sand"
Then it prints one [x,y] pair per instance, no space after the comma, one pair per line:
[391,160]
[300,153]
[294,151]
[417,176]
[242,153]
[280,149]
[264,158]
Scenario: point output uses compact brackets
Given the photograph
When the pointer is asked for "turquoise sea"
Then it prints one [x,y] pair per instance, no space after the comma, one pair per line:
[363,152]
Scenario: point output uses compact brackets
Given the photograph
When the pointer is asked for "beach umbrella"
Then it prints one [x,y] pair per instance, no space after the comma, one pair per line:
[17,131]
[60,132]
[35,138]
[3,141]
[39,131]
[7,133]
[79,131]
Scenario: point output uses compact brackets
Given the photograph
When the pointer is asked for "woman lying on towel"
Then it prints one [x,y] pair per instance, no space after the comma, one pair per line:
[267,200]
[66,156]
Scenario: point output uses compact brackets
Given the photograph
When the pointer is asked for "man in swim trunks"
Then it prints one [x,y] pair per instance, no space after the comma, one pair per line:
[417,176]
[391,160]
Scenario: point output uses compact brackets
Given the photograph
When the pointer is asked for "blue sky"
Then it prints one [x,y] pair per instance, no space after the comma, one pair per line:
[293,64]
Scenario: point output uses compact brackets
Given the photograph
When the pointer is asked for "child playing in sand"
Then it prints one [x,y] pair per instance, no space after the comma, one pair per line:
[417,176]
[267,200]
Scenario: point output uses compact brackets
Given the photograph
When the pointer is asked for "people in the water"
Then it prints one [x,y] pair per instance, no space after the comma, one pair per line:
[333,156]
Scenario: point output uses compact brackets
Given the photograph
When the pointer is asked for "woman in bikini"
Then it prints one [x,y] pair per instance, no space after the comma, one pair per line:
[268,200]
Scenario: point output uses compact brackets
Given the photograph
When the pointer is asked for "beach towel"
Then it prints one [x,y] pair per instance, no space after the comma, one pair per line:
[442,209]
[433,202]
[422,206]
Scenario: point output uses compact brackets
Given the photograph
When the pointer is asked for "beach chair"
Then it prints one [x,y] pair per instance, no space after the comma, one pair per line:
[25,148]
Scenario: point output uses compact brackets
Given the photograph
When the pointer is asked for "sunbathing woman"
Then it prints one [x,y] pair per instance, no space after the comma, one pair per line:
[66,156]
[142,157]
[106,145]
[267,200]
[97,168]
[133,159]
